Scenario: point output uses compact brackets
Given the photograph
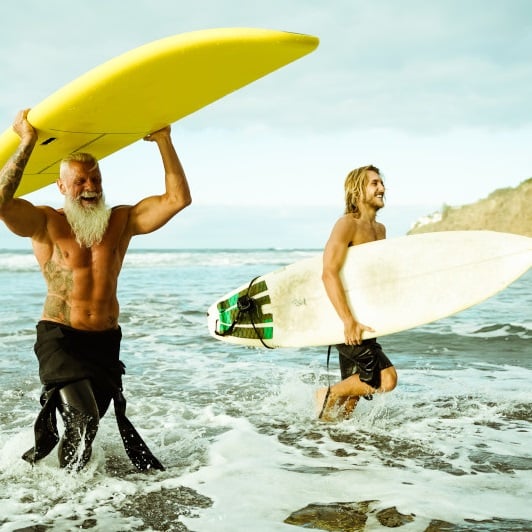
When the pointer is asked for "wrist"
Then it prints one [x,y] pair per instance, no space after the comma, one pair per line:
[28,139]
[349,320]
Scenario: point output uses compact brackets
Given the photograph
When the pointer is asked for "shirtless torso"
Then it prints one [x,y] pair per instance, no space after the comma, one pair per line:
[81,282]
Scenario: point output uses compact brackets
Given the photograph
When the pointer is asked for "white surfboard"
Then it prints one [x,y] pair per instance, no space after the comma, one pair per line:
[391,285]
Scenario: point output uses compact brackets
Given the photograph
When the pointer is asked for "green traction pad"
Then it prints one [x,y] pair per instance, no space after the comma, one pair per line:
[228,312]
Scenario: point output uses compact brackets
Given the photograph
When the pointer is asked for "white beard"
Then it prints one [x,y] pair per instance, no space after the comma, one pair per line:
[88,223]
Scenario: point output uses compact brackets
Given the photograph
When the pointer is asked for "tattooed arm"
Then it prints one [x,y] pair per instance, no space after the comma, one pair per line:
[20,216]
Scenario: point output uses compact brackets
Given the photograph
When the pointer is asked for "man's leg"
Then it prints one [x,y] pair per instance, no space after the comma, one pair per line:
[79,411]
[346,393]
[342,395]
[328,402]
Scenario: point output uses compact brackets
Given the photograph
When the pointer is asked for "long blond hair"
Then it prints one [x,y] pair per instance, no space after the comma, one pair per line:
[354,185]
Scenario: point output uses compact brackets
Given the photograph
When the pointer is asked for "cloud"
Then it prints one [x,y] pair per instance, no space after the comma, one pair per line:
[421,66]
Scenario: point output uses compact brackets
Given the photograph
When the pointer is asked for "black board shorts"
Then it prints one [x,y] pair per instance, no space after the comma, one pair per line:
[366,360]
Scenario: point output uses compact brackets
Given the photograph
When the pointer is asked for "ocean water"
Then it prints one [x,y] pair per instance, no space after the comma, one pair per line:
[235,427]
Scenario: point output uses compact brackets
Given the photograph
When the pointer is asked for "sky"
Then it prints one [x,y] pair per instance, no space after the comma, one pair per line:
[436,94]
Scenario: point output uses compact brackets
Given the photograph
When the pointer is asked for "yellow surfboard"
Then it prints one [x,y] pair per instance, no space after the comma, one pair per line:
[141,91]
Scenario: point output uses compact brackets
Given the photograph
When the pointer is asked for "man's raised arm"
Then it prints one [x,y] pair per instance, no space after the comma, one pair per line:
[19,215]
[153,212]
[11,173]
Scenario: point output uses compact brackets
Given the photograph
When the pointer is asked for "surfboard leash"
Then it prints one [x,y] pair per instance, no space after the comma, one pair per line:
[246,305]
[323,406]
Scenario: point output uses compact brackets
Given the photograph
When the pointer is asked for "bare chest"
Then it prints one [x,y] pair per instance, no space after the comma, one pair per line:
[367,232]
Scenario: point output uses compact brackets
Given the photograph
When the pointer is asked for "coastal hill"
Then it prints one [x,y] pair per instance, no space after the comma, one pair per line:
[507,210]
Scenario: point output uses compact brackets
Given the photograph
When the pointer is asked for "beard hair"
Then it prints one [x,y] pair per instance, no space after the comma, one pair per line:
[88,224]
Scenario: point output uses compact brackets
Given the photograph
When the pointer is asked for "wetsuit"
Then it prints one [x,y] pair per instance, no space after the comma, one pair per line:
[81,374]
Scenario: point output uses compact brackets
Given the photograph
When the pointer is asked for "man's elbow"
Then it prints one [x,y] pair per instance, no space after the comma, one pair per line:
[4,208]
[181,201]
[326,276]
[330,277]
[187,200]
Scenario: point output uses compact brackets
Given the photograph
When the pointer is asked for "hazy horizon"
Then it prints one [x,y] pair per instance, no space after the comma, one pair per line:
[252,227]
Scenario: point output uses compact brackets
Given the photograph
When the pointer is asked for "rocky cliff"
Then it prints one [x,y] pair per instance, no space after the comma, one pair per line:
[508,210]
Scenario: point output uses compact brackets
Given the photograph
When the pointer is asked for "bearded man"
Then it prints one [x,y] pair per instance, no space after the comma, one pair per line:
[80,250]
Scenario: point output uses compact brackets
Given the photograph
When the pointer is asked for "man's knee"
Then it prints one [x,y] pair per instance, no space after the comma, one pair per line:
[75,448]
[79,411]
[388,379]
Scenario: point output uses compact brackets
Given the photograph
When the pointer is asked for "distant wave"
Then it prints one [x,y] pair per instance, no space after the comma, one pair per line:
[23,261]
[503,343]
[503,330]
[493,331]
[176,258]
[18,261]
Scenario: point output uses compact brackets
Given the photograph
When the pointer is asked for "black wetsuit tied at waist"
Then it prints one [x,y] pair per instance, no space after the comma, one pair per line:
[67,355]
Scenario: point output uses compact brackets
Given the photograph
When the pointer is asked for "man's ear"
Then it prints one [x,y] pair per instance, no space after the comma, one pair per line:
[61,186]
